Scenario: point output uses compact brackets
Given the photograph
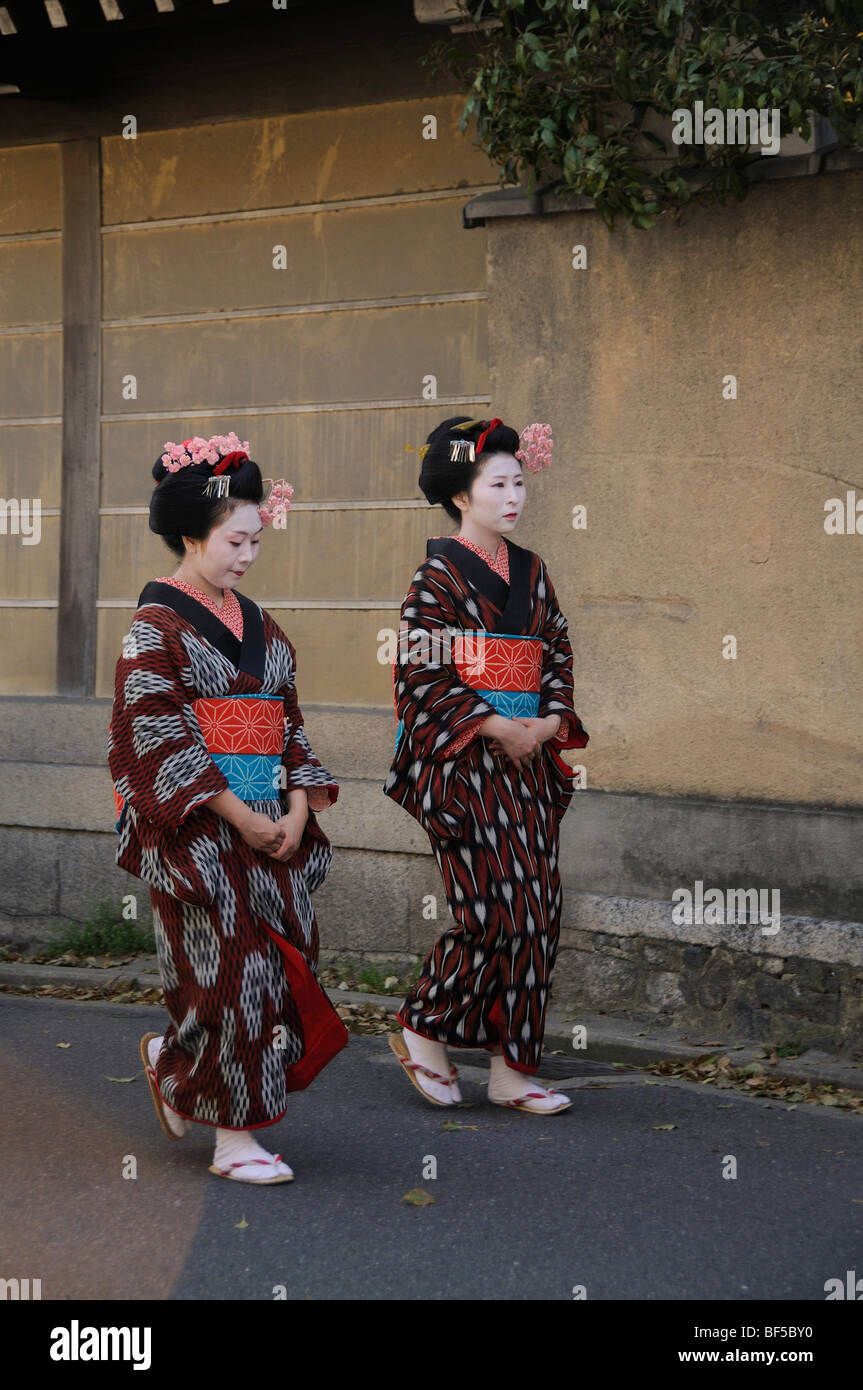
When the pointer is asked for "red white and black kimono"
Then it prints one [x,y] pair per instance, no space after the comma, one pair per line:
[493,827]
[197,710]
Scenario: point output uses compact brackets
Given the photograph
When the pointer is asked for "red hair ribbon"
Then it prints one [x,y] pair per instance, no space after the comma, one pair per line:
[230,461]
[493,424]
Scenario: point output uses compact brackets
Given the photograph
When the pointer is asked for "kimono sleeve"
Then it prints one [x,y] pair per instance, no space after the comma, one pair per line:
[302,768]
[556,686]
[156,751]
[435,705]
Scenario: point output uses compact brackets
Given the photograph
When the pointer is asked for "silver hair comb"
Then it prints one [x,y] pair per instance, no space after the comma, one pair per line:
[217,486]
[462,451]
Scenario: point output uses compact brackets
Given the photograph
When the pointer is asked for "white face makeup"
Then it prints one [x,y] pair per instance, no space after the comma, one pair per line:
[231,547]
[496,496]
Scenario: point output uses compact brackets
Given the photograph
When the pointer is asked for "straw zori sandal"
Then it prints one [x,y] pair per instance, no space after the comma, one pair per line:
[523,1102]
[154,1090]
[410,1066]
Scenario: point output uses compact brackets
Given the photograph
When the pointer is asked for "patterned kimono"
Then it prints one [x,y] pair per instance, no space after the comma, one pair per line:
[235,929]
[493,827]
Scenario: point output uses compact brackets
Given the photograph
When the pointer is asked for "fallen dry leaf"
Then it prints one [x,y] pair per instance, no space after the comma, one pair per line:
[665,1126]
[418,1198]
[64,1044]
[123,1080]
[241,1225]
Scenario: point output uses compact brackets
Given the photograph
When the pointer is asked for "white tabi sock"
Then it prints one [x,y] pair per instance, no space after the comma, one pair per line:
[241,1146]
[506,1083]
[433,1055]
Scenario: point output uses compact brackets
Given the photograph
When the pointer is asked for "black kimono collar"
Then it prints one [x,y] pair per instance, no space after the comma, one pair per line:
[513,599]
[248,656]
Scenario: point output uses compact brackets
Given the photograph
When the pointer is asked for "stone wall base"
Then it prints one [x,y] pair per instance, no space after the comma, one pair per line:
[799,984]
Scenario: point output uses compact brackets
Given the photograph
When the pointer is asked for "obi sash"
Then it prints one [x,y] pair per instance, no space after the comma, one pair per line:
[244,735]
[503,668]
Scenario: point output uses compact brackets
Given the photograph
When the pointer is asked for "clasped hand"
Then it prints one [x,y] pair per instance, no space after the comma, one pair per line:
[523,740]
[279,839]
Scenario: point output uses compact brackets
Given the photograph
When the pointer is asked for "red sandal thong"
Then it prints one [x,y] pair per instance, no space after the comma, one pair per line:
[247,1163]
[523,1104]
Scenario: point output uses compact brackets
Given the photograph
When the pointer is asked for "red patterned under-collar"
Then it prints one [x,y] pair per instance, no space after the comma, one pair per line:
[231,614]
[500,563]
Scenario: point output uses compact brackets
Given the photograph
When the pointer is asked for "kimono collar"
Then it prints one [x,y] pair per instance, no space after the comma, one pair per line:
[248,657]
[512,600]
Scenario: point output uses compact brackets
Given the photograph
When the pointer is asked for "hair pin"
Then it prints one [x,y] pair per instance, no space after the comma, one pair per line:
[462,451]
[217,486]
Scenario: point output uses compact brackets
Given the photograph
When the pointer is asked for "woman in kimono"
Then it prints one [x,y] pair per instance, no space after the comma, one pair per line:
[482,719]
[217,788]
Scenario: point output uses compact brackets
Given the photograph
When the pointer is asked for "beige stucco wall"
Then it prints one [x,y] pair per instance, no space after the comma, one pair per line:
[321,365]
[705,516]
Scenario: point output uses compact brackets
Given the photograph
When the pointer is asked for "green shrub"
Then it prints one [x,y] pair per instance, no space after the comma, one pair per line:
[105,934]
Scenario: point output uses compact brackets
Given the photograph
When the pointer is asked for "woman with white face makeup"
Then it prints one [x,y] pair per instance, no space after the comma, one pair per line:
[482,716]
[216,789]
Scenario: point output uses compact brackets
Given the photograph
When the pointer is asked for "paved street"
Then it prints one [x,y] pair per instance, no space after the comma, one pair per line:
[525,1207]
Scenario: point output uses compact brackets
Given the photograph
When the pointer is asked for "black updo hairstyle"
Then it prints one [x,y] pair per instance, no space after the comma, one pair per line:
[179,507]
[440,479]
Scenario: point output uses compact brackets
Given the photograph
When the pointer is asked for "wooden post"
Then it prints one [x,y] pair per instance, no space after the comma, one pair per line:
[82,360]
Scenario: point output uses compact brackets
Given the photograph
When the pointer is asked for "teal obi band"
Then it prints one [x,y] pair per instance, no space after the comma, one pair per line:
[513,704]
[251,776]
[245,735]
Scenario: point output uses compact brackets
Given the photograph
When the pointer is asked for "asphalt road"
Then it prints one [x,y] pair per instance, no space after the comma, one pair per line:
[525,1207]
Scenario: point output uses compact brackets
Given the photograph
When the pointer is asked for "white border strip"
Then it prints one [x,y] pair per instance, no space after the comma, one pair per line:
[300,209]
[286,310]
[7,237]
[312,408]
[23,329]
[28,602]
[344,504]
[32,420]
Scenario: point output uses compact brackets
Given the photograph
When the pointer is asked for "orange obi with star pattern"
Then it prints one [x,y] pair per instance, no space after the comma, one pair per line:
[245,737]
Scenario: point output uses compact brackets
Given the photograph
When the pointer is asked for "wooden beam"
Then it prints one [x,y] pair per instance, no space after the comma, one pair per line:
[82,359]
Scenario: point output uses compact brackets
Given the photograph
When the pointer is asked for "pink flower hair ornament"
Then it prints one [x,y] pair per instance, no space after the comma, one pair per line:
[535,446]
[224,452]
[198,450]
[277,505]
